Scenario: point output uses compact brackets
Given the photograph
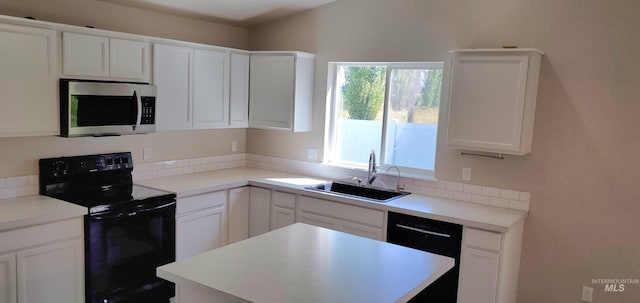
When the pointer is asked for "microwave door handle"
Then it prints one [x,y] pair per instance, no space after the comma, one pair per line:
[139,105]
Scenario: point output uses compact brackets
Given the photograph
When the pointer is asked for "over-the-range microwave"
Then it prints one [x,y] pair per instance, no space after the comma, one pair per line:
[98,108]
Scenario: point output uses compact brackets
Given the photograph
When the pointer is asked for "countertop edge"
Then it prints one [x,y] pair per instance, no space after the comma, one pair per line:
[255,177]
[51,210]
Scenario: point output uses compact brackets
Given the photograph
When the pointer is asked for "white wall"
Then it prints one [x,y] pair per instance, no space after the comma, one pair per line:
[584,168]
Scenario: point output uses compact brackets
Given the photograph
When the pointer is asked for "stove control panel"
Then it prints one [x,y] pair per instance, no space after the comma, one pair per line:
[79,165]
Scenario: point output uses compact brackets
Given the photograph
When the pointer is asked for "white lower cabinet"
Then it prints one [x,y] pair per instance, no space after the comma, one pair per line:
[238,214]
[281,217]
[283,211]
[201,224]
[342,217]
[259,210]
[362,230]
[479,276]
[43,263]
[489,265]
[51,273]
[8,279]
[318,220]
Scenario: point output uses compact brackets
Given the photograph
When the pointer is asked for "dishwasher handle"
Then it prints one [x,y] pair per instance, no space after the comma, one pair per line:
[433,233]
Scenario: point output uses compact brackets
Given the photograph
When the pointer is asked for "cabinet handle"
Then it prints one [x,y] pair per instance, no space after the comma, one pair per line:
[433,233]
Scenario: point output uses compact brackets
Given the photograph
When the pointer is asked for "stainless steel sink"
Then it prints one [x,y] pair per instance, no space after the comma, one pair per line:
[351,190]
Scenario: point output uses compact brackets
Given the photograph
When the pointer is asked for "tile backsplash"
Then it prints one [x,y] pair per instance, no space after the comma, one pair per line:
[12,187]
[187,166]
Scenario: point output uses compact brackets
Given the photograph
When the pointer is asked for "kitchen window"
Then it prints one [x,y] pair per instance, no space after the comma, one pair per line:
[391,108]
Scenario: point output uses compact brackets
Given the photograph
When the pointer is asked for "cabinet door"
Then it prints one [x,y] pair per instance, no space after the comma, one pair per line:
[271,93]
[239,90]
[361,230]
[8,278]
[259,210]
[200,232]
[487,102]
[281,217]
[210,89]
[28,81]
[317,220]
[85,55]
[129,59]
[172,75]
[478,276]
[238,214]
[51,273]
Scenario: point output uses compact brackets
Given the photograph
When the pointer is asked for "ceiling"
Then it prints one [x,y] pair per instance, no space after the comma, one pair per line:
[237,12]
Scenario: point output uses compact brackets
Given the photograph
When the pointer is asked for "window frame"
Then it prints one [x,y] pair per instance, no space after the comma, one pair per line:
[330,129]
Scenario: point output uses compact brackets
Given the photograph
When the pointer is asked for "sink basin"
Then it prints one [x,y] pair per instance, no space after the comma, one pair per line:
[351,190]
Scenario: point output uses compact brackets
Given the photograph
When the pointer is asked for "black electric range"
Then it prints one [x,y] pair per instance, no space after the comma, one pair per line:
[129,231]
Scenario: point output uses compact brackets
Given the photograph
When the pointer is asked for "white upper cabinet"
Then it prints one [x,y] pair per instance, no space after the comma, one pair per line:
[492,99]
[281,90]
[172,74]
[193,86]
[129,59]
[28,81]
[210,89]
[104,57]
[85,55]
[239,90]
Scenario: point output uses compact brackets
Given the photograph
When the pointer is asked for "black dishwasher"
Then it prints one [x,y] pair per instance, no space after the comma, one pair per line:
[432,236]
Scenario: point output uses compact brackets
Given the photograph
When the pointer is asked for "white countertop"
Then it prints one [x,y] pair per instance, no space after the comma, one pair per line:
[304,263]
[469,214]
[33,210]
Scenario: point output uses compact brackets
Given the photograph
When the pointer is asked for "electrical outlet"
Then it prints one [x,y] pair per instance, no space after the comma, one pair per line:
[234,146]
[146,153]
[466,174]
[312,154]
[587,294]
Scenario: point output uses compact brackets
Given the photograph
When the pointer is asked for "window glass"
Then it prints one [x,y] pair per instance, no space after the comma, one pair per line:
[412,120]
[389,108]
[359,112]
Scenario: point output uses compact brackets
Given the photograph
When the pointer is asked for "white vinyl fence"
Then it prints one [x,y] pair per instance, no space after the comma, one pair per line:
[408,144]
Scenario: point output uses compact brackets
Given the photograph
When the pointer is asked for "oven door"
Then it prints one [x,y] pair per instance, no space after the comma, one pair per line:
[123,250]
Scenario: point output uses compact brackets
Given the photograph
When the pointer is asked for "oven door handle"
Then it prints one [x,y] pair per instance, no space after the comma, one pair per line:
[433,233]
[131,213]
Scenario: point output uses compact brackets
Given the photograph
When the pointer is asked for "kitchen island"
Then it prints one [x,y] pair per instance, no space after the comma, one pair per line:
[304,263]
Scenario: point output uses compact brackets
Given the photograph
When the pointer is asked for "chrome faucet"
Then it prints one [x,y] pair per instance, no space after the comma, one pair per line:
[398,187]
[372,173]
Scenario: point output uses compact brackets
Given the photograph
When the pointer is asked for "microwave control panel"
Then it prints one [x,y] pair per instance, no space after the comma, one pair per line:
[148,111]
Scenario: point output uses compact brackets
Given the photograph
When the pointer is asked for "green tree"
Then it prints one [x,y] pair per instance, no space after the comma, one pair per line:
[363,91]
[431,91]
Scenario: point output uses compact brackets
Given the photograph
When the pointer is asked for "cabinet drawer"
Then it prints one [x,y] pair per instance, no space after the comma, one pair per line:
[286,200]
[342,211]
[362,230]
[316,220]
[40,234]
[482,239]
[204,201]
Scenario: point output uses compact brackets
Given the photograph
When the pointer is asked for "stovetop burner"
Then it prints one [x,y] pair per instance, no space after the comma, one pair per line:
[107,198]
[98,182]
